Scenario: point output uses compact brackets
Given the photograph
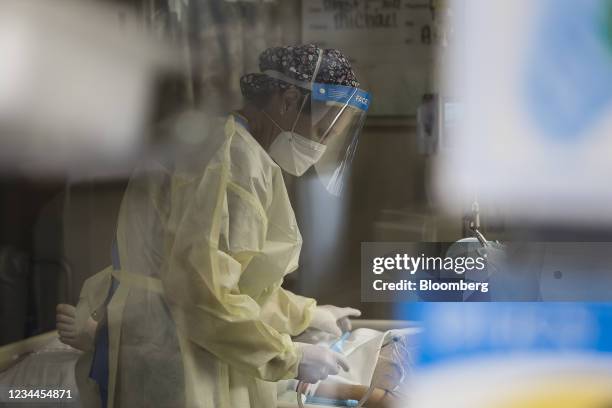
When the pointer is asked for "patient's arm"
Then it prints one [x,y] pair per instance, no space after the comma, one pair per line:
[379,398]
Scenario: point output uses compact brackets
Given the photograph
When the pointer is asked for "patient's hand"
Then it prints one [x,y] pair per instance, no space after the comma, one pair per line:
[82,339]
[378,399]
[389,400]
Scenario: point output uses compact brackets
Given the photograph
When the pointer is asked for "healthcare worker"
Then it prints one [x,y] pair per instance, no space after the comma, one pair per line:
[192,312]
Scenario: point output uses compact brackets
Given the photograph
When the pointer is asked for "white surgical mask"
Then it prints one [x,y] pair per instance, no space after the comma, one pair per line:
[293,152]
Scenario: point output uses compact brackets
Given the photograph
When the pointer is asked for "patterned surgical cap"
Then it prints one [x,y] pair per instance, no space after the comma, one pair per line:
[299,63]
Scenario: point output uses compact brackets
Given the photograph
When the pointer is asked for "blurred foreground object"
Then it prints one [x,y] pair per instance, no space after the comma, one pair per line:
[509,355]
[75,81]
[534,83]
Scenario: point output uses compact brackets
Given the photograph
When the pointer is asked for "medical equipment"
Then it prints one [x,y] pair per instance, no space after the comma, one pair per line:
[317,363]
[474,224]
[332,402]
[308,390]
[390,372]
[428,134]
[337,346]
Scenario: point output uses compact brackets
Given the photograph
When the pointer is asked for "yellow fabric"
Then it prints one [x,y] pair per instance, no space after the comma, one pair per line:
[216,228]
[288,312]
[93,293]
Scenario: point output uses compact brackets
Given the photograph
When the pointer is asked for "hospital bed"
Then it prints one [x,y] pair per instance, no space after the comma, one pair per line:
[43,361]
[39,363]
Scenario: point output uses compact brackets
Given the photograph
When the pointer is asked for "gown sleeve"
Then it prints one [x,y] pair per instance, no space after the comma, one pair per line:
[288,312]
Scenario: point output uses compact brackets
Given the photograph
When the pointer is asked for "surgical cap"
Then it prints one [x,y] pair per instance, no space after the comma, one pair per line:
[299,63]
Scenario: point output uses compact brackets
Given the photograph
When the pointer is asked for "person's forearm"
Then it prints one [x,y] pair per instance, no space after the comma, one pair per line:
[287,312]
[379,398]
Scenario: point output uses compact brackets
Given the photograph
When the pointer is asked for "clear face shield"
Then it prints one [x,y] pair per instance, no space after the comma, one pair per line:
[337,115]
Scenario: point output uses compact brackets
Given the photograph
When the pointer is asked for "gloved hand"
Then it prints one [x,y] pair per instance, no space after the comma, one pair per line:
[333,319]
[318,363]
[79,338]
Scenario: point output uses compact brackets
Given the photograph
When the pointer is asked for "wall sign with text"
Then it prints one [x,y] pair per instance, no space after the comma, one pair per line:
[391,44]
